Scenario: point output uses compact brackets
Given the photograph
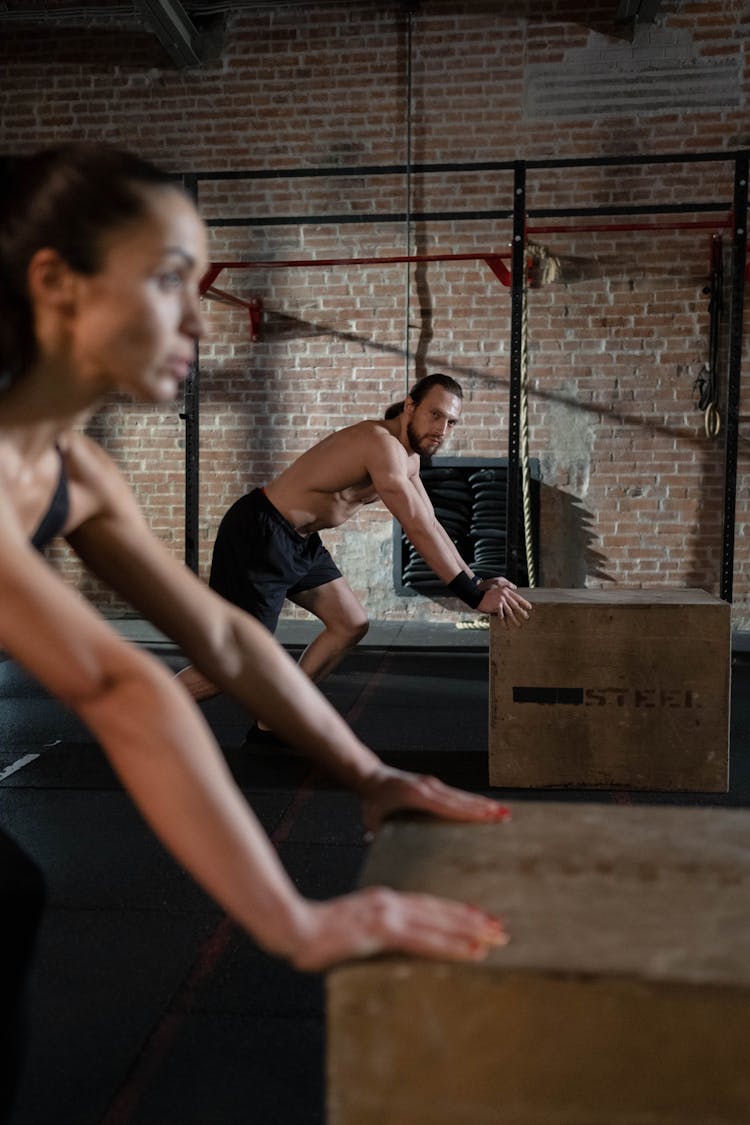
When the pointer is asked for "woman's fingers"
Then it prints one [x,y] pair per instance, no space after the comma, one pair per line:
[394,789]
[381,920]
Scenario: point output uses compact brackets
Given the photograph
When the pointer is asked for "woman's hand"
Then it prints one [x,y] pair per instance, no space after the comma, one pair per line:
[380,920]
[387,790]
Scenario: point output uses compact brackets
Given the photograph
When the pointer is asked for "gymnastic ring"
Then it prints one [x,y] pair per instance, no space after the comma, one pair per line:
[712,421]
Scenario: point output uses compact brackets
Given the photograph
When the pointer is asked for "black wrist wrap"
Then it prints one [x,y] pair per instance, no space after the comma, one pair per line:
[463,587]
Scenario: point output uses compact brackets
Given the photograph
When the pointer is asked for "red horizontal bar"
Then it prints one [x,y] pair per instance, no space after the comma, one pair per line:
[494,261]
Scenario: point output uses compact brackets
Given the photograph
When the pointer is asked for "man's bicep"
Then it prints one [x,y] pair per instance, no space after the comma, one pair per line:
[422,491]
[404,496]
[405,502]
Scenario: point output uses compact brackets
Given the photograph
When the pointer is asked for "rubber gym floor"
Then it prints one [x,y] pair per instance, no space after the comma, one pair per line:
[147,1006]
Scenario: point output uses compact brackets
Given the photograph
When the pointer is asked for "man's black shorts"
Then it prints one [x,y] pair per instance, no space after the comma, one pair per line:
[259,559]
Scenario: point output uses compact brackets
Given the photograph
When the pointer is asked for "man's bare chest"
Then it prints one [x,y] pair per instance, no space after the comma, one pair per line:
[363,492]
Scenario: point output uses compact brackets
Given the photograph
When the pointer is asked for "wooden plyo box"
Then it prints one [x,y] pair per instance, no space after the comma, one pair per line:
[613,688]
[623,997]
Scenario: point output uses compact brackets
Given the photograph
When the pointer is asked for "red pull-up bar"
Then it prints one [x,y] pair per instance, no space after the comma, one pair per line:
[494,261]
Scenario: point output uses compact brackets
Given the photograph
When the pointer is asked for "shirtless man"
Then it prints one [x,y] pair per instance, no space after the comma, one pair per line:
[268,547]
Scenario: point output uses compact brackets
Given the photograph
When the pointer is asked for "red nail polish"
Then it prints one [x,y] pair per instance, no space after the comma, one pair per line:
[496,922]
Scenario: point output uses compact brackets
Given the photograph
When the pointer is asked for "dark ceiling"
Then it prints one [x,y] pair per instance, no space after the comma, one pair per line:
[190,31]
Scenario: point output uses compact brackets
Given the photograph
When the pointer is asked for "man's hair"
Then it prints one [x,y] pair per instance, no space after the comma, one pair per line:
[68,199]
[420,389]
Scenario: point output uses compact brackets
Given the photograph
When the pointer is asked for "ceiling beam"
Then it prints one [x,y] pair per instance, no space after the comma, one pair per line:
[174,29]
[637,11]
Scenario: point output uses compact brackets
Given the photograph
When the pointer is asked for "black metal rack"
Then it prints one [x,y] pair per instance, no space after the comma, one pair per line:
[469,495]
[735,207]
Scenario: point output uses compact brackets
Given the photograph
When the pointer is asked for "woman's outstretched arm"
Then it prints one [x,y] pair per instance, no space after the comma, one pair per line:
[242,658]
[165,755]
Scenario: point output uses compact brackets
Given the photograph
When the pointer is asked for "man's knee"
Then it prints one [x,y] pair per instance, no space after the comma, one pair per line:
[352,631]
[360,630]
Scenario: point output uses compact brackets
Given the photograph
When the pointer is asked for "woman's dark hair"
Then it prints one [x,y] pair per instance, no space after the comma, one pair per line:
[420,389]
[67,199]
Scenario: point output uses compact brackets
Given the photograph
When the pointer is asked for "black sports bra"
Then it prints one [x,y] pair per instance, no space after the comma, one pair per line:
[53,520]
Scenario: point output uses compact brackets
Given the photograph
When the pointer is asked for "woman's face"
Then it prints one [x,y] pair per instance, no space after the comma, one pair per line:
[136,321]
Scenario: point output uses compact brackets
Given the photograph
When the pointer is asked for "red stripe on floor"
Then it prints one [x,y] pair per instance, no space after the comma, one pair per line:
[159,1043]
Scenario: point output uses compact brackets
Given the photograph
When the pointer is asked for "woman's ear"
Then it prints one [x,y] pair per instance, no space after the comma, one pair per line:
[50,281]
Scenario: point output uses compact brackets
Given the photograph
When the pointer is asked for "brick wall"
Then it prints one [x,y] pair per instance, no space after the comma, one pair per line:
[632,487]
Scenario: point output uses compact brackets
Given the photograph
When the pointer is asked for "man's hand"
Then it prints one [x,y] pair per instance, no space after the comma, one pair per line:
[380,920]
[502,597]
[498,580]
[389,789]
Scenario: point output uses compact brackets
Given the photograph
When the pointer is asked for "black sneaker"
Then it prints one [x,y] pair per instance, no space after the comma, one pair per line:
[257,738]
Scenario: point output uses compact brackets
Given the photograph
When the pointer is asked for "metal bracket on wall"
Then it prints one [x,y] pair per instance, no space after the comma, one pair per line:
[254,307]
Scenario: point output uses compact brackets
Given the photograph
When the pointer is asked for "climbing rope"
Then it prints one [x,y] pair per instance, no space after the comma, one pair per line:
[546,268]
[410,9]
[482,622]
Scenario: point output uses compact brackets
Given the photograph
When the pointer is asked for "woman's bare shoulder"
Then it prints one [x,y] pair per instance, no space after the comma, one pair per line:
[82,452]
[95,484]
[88,464]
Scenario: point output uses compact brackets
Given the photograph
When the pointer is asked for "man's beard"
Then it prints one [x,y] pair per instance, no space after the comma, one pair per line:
[416,442]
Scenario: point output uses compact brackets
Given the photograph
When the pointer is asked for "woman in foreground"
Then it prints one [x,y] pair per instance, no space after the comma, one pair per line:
[100,260]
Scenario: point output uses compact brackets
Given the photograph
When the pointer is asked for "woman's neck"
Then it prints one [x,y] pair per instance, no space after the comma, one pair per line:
[49,391]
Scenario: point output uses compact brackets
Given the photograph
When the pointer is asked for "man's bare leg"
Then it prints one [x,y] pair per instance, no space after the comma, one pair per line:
[345,624]
[196,684]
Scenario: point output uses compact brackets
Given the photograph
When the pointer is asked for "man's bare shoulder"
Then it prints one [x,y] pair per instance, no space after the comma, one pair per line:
[368,436]
[375,430]
[385,455]
[370,426]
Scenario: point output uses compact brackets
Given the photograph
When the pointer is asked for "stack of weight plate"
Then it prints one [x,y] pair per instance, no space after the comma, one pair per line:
[451,497]
[488,525]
